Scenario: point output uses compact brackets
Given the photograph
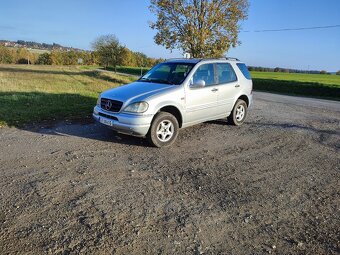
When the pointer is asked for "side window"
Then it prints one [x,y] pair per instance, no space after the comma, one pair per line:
[225,73]
[206,73]
[243,68]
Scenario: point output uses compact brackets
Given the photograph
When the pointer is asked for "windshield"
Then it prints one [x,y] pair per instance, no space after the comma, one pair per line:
[168,73]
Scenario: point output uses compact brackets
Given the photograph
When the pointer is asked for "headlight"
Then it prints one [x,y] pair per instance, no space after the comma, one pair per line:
[137,107]
[99,101]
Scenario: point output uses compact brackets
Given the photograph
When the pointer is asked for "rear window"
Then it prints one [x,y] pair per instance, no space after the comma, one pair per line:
[244,69]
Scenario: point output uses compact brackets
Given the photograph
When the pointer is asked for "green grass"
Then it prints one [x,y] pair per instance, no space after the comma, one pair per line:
[31,94]
[312,85]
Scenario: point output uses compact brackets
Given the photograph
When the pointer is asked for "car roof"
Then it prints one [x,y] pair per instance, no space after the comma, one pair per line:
[183,60]
[196,60]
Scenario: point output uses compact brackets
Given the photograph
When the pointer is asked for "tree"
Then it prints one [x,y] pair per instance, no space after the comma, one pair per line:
[44,59]
[323,72]
[128,57]
[109,50]
[70,57]
[338,72]
[141,61]
[203,28]
[23,56]
[5,56]
[56,57]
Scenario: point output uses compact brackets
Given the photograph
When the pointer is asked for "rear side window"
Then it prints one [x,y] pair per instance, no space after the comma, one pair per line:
[225,73]
[244,69]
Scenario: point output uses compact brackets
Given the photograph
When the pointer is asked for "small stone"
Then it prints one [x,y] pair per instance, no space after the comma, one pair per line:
[273,247]
[247,218]
[300,244]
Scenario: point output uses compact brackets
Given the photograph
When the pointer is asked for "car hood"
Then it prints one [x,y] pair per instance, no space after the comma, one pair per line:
[136,90]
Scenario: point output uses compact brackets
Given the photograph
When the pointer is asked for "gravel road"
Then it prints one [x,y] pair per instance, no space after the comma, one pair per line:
[269,186]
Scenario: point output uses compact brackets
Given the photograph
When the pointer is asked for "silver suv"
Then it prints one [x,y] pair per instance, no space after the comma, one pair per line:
[176,94]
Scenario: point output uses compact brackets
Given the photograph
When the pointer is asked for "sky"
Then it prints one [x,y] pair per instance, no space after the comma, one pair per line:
[77,23]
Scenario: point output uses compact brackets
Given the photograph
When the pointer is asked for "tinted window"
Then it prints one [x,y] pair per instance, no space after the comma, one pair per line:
[206,73]
[244,69]
[225,73]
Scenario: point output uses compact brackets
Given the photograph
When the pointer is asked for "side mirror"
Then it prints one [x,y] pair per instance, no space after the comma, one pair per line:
[198,84]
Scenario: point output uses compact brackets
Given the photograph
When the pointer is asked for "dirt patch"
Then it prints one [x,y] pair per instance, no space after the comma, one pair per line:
[269,186]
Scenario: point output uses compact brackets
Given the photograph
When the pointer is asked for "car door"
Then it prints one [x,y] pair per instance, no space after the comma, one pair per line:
[228,87]
[201,101]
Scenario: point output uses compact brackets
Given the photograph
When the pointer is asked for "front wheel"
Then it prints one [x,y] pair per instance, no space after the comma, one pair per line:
[163,130]
[239,113]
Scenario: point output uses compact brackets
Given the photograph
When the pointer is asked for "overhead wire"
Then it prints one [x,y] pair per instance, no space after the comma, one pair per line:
[290,29]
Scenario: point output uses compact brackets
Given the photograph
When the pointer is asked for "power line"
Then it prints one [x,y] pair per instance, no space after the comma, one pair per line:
[291,29]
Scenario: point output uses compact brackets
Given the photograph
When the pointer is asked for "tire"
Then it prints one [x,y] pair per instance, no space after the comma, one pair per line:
[239,113]
[164,130]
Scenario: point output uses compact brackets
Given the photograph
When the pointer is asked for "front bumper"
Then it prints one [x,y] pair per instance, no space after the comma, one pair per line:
[131,124]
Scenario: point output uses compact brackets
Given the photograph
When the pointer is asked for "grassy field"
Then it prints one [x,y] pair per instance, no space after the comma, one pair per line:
[313,85]
[39,93]
[31,94]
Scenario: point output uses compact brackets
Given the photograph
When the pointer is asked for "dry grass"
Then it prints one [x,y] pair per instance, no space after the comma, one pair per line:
[37,93]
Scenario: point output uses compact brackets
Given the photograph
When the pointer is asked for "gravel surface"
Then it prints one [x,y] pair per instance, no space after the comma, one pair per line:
[269,186]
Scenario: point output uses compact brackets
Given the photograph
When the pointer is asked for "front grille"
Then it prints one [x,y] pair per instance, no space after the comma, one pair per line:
[107,116]
[110,105]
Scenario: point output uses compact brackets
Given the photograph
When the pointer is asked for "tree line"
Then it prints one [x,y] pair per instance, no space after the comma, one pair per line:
[54,57]
[287,70]
[108,52]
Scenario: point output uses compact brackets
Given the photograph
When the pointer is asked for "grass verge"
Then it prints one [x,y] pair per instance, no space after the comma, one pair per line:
[311,85]
[31,94]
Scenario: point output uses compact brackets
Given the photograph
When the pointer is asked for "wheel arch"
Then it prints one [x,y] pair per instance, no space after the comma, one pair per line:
[174,111]
[244,98]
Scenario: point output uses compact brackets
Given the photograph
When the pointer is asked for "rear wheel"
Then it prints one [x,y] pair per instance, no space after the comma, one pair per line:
[163,130]
[239,113]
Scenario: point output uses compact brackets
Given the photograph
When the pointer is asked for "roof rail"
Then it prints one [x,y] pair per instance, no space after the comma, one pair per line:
[229,58]
[175,58]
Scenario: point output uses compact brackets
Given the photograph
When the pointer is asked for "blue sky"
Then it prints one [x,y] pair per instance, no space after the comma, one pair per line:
[77,23]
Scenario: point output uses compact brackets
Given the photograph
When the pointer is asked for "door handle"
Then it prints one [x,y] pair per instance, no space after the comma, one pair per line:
[214,90]
[237,85]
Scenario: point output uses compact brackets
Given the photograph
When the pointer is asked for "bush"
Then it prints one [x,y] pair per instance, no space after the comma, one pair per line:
[44,59]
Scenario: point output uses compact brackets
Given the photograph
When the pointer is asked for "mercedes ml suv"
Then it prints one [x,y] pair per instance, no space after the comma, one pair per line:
[176,94]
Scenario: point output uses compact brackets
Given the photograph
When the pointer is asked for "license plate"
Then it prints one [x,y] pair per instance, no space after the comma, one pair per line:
[106,122]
